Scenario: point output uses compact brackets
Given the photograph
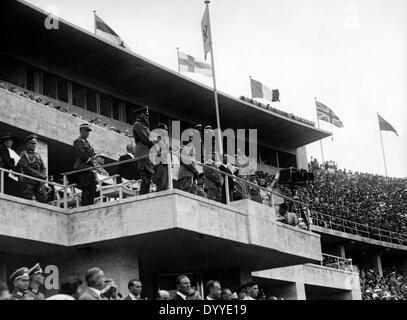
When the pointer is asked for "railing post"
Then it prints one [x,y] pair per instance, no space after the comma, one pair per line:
[356,228]
[227,190]
[2,182]
[65,192]
[169,166]
[380,237]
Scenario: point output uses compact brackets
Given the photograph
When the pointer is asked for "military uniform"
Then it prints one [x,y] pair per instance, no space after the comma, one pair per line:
[22,275]
[85,159]
[141,134]
[187,169]
[31,164]
[35,294]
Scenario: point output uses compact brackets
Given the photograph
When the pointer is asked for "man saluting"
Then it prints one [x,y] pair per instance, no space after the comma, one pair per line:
[85,159]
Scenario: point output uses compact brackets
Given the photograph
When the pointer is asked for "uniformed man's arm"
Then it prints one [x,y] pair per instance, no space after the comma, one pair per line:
[79,148]
[43,170]
[142,134]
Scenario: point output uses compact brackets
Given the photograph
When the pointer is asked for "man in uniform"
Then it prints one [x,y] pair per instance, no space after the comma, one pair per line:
[21,280]
[141,133]
[85,159]
[187,171]
[32,165]
[160,166]
[36,280]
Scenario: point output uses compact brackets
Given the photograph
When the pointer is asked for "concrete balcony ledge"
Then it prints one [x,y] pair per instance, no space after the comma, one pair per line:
[49,123]
[247,230]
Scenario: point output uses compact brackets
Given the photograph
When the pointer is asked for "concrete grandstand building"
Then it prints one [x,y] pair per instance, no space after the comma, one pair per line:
[55,80]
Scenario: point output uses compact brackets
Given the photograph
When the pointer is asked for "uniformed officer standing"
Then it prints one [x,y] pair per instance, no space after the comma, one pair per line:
[20,279]
[141,133]
[32,165]
[187,170]
[36,280]
[160,177]
[85,159]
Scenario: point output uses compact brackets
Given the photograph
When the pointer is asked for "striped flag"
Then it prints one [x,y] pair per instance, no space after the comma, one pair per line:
[326,114]
[385,126]
[190,64]
[206,32]
[107,33]
[259,90]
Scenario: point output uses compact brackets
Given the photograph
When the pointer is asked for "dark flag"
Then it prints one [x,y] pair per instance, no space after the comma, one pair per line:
[276,96]
[385,126]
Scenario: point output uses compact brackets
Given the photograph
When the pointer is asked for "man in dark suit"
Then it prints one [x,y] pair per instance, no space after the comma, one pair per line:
[95,279]
[183,288]
[85,159]
[141,133]
[128,170]
[135,288]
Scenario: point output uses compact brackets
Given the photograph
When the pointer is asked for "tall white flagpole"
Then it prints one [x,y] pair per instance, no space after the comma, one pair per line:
[217,105]
[214,85]
[179,68]
[94,21]
[320,141]
[381,140]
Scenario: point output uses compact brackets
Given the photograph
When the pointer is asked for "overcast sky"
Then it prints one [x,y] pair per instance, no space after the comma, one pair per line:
[351,55]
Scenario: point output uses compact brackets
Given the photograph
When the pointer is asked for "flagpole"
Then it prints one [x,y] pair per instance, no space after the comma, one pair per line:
[250,77]
[381,140]
[320,141]
[214,85]
[179,68]
[94,21]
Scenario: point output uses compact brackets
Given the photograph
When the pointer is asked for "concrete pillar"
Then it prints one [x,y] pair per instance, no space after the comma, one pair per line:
[302,161]
[374,261]
[292,291]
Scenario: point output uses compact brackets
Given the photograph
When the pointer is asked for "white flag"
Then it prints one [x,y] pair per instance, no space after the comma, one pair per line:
[190,64]
[206,32]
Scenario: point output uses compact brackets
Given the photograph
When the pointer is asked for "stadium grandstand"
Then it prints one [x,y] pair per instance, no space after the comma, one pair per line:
[341,235]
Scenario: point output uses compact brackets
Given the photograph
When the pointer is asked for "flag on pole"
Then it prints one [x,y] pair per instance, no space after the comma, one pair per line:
[385,126]
[190,64]
[107,33]
[206,33]
[326,114]
[259,90]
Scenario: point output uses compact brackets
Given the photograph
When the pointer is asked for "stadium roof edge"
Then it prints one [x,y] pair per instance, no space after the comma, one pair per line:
[296,133]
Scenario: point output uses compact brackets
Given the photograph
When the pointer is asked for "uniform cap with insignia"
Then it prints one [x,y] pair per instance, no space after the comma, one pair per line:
[21,273]
[208,127]
[198,127]
[31,138]
[35,270]
[142,110]
[85,126]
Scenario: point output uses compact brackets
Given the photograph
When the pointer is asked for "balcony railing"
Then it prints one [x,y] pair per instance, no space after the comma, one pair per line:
[358,229]
[335,262]
[68,195]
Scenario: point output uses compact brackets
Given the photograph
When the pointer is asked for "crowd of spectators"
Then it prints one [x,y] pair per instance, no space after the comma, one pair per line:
[283,113]
[368,199]
[391,286]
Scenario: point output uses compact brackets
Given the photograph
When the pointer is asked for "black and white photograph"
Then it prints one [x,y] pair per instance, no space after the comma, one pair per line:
[227,151]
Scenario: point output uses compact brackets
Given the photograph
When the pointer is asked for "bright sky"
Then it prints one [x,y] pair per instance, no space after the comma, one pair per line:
[351,55]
